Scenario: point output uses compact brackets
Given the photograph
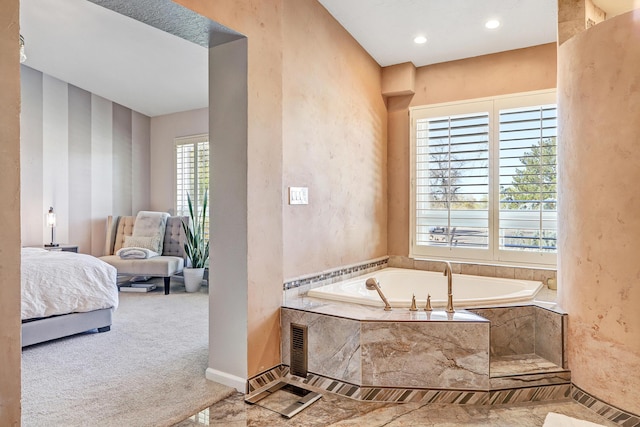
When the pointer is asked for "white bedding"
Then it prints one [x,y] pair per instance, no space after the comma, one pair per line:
[58,282]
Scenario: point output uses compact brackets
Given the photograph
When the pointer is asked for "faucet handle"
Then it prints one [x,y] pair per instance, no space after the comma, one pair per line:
[413,304]
[428,306]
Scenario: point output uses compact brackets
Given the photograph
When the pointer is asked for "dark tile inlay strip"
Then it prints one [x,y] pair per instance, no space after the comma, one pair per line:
[624,418]
[554,392]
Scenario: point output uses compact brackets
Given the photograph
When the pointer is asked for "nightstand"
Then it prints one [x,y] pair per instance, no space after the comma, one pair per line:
[62,247]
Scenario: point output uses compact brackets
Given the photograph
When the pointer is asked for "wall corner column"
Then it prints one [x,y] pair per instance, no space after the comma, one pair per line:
[10,342]
[598,168]
[398,88]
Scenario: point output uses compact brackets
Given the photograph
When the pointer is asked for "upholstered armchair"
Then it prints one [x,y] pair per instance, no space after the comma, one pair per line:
[170,262]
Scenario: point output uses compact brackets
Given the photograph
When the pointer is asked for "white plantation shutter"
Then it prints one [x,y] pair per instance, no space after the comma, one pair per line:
[450,178]
[452,181]
[528,197]
[185,176]
[483,177]
[192,174]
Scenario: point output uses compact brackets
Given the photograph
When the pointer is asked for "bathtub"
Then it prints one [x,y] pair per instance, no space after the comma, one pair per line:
[400,284]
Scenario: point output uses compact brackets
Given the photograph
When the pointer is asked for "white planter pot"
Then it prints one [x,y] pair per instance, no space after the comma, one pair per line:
[193,278]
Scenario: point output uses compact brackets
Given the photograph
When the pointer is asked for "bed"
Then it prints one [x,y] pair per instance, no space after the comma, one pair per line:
[65,293]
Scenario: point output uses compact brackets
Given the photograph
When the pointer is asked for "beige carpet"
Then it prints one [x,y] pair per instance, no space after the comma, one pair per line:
[149,370]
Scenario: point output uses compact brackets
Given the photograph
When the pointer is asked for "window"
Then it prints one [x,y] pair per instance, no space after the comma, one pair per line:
[192,174]
[484,180]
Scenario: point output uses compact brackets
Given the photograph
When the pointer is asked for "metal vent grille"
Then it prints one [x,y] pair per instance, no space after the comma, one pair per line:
[298,350]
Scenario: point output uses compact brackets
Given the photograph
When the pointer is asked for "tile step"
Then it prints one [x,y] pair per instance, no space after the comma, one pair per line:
[521,364]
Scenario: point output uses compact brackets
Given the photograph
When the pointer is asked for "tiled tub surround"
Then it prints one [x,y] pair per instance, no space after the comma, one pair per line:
[366,353]
[505,343]
[396,352]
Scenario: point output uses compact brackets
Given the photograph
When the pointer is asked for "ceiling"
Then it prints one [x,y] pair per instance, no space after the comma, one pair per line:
[155,73]
[454,28]
[114,56]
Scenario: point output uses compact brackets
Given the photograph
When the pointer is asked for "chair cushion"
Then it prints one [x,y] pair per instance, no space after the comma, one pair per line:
[164,266]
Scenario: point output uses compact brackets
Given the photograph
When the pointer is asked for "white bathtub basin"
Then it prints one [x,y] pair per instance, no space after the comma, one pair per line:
[399,285]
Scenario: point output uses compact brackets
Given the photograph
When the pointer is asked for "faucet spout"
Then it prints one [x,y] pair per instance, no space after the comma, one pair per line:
[372,284]
[449,274]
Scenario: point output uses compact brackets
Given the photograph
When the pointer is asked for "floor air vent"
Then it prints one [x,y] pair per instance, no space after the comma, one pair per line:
[283,397]
[298,350]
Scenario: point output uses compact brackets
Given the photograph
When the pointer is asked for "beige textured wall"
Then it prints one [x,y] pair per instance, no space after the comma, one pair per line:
[399,79]
[334,143]
[329,135]
[261,22]
[593,14]
[599,170]
[164,130]
[502,73]
[10,350]
[574,16]
[571,18]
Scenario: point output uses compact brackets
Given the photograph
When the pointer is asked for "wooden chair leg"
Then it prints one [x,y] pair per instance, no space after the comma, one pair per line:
[167,280]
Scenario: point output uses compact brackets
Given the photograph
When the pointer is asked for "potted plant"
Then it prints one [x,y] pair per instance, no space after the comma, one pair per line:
[196,247]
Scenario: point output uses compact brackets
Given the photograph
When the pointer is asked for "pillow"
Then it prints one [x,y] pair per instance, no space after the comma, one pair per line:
[153,243]
[151,224]
[135,253]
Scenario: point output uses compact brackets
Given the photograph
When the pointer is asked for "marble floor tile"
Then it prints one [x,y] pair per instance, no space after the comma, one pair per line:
[337,411]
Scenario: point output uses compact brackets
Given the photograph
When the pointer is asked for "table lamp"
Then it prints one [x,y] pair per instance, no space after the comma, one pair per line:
[51,222]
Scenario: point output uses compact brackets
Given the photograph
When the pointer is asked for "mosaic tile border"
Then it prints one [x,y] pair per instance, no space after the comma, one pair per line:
[554,392]
[267,377]
[397,395]
[497,397]
[624,418]
[336,275]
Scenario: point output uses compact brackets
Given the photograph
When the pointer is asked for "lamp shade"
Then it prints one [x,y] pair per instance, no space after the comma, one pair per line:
[51,218]
[23,56]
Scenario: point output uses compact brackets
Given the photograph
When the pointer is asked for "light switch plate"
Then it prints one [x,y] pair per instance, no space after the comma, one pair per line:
[298,196]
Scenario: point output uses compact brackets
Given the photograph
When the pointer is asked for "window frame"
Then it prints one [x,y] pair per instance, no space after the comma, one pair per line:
[189,140]
[493,254]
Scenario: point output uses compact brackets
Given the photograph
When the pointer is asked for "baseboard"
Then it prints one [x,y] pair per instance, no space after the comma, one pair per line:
[227,379]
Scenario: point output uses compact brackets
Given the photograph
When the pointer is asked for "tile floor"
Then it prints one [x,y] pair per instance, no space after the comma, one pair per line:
[333,410]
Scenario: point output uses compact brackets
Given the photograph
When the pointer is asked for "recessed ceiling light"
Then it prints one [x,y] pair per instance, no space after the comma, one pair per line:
[492,24]
[420,40]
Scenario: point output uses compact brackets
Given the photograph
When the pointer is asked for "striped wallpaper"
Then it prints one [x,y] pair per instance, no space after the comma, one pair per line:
[84,155]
